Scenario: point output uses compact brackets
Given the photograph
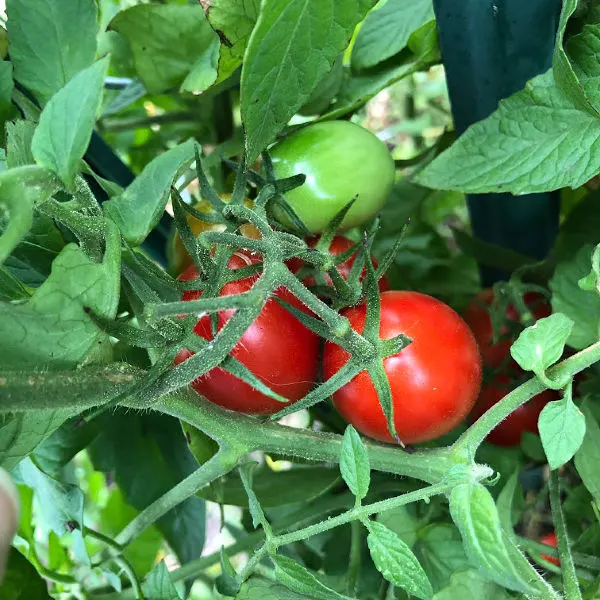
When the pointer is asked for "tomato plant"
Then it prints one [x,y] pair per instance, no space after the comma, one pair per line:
[276,348]
[434,381]
[177,437]
[341,161]
[339,245]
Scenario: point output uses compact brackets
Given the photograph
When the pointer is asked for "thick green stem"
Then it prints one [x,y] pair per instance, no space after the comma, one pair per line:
[570,583]
[354,565]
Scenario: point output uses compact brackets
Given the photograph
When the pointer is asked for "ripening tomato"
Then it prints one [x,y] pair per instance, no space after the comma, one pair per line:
[478,319]
[341,161]
[339,245]
[550,540]
[525,418]
[180,259]
[277,348]
[434,381]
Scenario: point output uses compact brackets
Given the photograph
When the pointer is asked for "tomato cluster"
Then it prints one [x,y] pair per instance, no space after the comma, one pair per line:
[506,374]
[434,381]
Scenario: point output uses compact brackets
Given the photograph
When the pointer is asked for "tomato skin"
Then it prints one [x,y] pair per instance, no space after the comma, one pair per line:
[434,381]
[341,160]
[179,257]
[277,348]
[339,245]
[478,319]
[525,418]
[550,540]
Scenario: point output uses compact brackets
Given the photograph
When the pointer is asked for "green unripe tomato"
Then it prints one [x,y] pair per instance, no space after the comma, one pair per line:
[341,160]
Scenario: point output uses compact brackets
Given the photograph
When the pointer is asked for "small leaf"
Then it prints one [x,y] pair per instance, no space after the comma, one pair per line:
[587,458]
[386,30]
[395,561]
[159,585]
[139,208]
[541,345]
[227,583]
[186,46]
[258,516]
[61,504]
[298,579]
[475,514]
[257,588]
[583,307]
[51,44]
[274,85]
[471,584]
[354,463]
[66,124]
[535,141]
[562,429]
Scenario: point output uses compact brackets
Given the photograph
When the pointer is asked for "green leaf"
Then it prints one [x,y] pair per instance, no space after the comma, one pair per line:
[246,472]
[475,514]
[587,458]
[169,42]
[19,135]
[21,580]
[159,586]
[354,463]
[148,455]
[358,88]
[7,85]
[256,588]
[298,579]
[536,141]
[51,44]
[471,584]
[582,307]
[395,561]
[440,551]
[60,504]
[54,328]
[562,429]
[504,504]
[294,43]
[541,345]
[565,72]
[403,522]
[20,434]
[67,122]
[139,208]
[302,483]
[386,30]
[583,48]
[228,582]
[234,21]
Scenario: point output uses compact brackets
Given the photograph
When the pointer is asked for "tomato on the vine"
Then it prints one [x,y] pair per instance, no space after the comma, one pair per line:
[276,348]
[434,381]
[478,318]
[524,418]
[341,161]
[550,540]
[339,245]
[179,257]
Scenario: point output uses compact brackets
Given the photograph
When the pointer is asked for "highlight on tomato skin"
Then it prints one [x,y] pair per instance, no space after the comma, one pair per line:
[434,381]
[339,245]
[550,539]
[525,418]
[276,348]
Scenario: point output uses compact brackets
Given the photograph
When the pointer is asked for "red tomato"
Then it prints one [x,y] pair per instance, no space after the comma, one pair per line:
[277,348]
[525,418]
[550,540]
[478,319]
[434,381]
[338,245]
